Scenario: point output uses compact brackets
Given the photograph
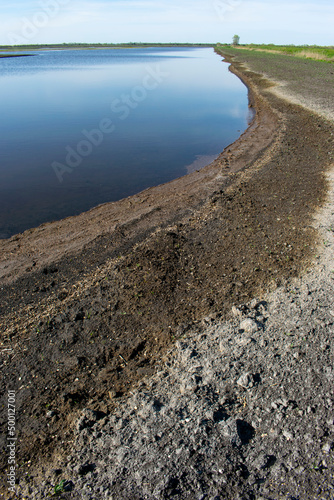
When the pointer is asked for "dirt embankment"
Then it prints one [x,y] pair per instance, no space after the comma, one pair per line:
[89,304]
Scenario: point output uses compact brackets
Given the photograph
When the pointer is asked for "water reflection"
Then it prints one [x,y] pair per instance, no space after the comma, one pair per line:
[191,109]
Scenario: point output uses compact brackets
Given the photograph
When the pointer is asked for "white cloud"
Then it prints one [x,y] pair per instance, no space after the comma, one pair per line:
[183,20]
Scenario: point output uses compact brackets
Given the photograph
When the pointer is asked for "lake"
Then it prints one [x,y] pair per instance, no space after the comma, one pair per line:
[83,127]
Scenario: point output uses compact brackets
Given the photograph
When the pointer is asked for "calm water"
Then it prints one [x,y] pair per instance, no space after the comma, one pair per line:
[80,128]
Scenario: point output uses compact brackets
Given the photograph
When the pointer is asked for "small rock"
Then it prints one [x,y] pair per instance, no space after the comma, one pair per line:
[262,309]
[229,429]
[288,435]
[283,401]
[253,304]
[263,461]
[248,325]
[299,470]
[242,341]
[236,312]
[326,448]
[246,381]
[222,346]
[87,419]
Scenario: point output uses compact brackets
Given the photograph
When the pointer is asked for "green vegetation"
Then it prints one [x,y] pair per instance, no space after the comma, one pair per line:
[236,40]
[305,51]
[59,488]
[99,46]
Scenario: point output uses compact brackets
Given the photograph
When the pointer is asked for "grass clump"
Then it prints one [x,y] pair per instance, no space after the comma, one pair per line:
[305,51]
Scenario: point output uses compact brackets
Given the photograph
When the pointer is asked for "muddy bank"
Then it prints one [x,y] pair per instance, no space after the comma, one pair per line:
[91,303]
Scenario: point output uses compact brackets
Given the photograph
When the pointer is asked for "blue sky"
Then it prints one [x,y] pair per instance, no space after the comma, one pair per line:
[116,21]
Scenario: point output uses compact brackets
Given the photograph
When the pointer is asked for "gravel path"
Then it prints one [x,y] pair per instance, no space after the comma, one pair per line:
[305,82]
[241,409]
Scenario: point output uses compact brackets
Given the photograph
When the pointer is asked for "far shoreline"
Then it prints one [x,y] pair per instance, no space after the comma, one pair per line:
[75,46]
[16,55]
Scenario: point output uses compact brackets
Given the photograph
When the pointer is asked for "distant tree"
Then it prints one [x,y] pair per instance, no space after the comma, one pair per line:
[236,40]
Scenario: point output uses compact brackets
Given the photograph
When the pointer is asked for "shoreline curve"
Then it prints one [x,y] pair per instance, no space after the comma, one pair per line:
[35,248]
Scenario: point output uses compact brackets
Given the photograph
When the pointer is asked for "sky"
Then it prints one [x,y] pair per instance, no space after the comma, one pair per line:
[196,21]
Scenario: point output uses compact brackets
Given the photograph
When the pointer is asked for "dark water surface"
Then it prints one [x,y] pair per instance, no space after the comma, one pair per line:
[83,127]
